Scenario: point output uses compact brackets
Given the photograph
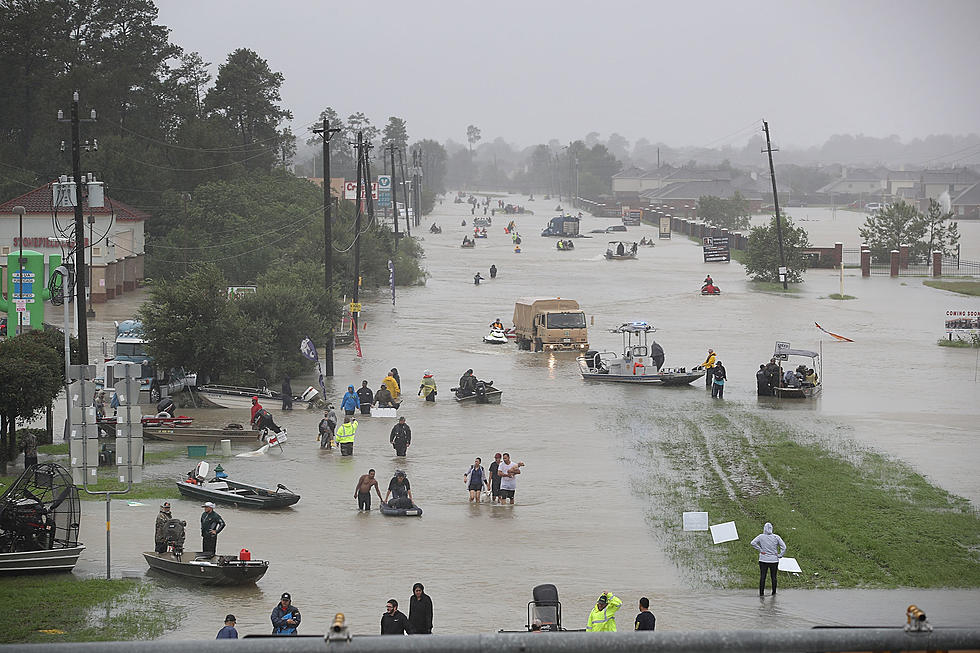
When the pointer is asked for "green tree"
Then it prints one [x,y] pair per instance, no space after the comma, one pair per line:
[434,159]
[190,323]
[732,214]
[890,228]
[944,234]
[31,377]
[246,94]
[473,135]
[395,132]
[341,154]
[762,255]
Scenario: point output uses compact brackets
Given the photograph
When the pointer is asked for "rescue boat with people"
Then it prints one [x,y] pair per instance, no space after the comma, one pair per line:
[639,363]
[799,387]
[621,251]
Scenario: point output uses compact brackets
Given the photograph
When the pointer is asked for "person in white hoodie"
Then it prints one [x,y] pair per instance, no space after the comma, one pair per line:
[771,548]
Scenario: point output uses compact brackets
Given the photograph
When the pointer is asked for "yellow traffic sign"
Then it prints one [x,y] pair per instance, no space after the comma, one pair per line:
[355,308]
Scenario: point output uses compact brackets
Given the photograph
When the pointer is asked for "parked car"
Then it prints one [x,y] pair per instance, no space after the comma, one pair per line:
[874,207]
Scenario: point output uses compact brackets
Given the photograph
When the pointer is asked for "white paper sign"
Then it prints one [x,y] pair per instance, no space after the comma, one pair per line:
[790,565]
[724,532]
[695,521]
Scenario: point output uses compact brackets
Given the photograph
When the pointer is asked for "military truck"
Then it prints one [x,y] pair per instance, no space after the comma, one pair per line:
[550,324]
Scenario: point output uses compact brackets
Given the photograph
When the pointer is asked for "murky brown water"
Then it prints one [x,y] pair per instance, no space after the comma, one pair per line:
[577,523]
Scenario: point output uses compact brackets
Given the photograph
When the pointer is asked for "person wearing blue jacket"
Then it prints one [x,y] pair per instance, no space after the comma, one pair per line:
[285,616]
[350,402]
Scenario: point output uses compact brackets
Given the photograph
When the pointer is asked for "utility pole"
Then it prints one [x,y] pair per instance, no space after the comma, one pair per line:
[368,186]
[405,184]
[394,192]
[80,275]
[558,174]
[357,226]
[783,272]
[327,133]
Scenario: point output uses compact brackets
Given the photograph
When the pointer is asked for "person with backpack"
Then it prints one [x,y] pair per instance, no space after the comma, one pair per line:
[327,427]
[476,480]
[401,437]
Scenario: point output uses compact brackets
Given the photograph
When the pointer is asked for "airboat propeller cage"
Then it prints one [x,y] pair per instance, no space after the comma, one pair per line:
[40,510]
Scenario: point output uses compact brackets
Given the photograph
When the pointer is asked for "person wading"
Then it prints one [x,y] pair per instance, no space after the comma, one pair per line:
[366,398]
[427,388]
[362,491]
[420,611]
[708,363]
[345,436]
[401,437]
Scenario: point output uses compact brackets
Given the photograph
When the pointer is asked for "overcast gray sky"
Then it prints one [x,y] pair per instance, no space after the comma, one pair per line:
[685,73]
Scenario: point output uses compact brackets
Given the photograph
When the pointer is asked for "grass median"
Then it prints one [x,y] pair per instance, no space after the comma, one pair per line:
[62,608]
[851,517]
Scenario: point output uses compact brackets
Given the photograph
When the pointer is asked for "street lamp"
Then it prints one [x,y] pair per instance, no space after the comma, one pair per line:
[19,210]
[91,252]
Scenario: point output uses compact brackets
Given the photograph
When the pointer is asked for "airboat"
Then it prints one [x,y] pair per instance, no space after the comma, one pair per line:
[39,519]
[639,363]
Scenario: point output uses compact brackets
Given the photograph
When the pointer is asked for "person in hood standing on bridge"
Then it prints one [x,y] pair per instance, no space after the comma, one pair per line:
[420,611]
[350,402]
[602,619]
[771,548]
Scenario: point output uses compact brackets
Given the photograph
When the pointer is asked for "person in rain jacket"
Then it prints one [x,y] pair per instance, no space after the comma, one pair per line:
[391,383]
[420,611]
[366,395]
[427,388]
[708,363]
[345,436]
[771,548]
[285,616]
[603,616]
[350,402]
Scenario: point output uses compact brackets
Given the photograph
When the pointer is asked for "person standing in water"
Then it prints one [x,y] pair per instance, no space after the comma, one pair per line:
[476,480]
[771,548]
[493,271]
[427,388]
[362,492]
[708,363]
[420,611]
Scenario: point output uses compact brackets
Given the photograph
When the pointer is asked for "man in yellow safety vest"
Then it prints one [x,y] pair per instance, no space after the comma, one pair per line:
[345,436]
[603,615]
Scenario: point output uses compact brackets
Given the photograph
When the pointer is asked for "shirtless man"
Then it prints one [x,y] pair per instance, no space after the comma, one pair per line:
[363,490]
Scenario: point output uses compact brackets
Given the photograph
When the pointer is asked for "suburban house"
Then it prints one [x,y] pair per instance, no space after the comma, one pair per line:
[967,203]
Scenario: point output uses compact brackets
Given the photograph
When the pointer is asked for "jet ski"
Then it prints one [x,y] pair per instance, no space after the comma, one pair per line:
[495,337]
[710,289]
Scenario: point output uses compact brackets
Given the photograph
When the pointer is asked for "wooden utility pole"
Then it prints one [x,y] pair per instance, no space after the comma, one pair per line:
[357,226]
[368,189]
[327,132]
[394,192]
[783,272]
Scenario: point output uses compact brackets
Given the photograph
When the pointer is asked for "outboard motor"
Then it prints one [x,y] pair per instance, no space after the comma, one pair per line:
[174,536]
[481,392]
[544,612]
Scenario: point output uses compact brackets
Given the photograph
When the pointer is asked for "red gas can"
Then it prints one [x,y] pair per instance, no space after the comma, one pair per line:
[245,554]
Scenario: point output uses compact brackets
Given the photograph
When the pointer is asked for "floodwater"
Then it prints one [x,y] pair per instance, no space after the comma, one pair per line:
[578,522]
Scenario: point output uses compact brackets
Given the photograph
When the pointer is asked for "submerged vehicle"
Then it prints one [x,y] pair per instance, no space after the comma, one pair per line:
[222,489]
[798,387]
[495,337]
[621,251]
[550,323]
[639,363]
[39,521]
[565,226]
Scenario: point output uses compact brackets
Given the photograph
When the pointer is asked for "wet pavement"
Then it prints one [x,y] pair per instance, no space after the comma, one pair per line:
[578,522]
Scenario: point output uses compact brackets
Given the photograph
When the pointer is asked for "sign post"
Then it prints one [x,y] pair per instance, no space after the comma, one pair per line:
[384,191]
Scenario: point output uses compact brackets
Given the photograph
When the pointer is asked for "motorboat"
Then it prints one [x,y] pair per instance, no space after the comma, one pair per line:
[485,393]
[224,490]
[495,337]
[468,243]
[798,388]
[639,363]
[233,396]
[208,570]
[392,511]
[565,246]
[621,251]
[39,522]
[511,333]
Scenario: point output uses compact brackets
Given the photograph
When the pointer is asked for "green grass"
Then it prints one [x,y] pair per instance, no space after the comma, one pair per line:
[773,287]
[838,296]
[852,518]
[107,480]
[83,610]
[962,287]
[958,342]
[54,449]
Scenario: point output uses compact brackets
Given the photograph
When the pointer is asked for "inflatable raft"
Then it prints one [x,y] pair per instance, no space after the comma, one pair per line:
[414,511]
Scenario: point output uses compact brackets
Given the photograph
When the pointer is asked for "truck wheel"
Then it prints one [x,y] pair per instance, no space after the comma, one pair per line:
[538,345]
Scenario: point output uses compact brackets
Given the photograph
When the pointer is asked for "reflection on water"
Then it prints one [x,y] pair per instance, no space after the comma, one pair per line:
[577,522]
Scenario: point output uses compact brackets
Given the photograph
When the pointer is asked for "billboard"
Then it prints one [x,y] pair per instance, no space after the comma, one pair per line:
[962,322]
[716,250]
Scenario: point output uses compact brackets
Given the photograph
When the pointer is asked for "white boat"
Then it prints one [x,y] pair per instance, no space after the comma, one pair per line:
[232,396]
[803,390]
[618,250]
[495,337]
[638,364]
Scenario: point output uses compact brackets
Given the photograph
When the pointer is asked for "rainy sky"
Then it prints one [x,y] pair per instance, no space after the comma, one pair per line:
[680,73]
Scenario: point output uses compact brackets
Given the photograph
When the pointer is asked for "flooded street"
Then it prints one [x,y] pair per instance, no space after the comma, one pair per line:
[578,521]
